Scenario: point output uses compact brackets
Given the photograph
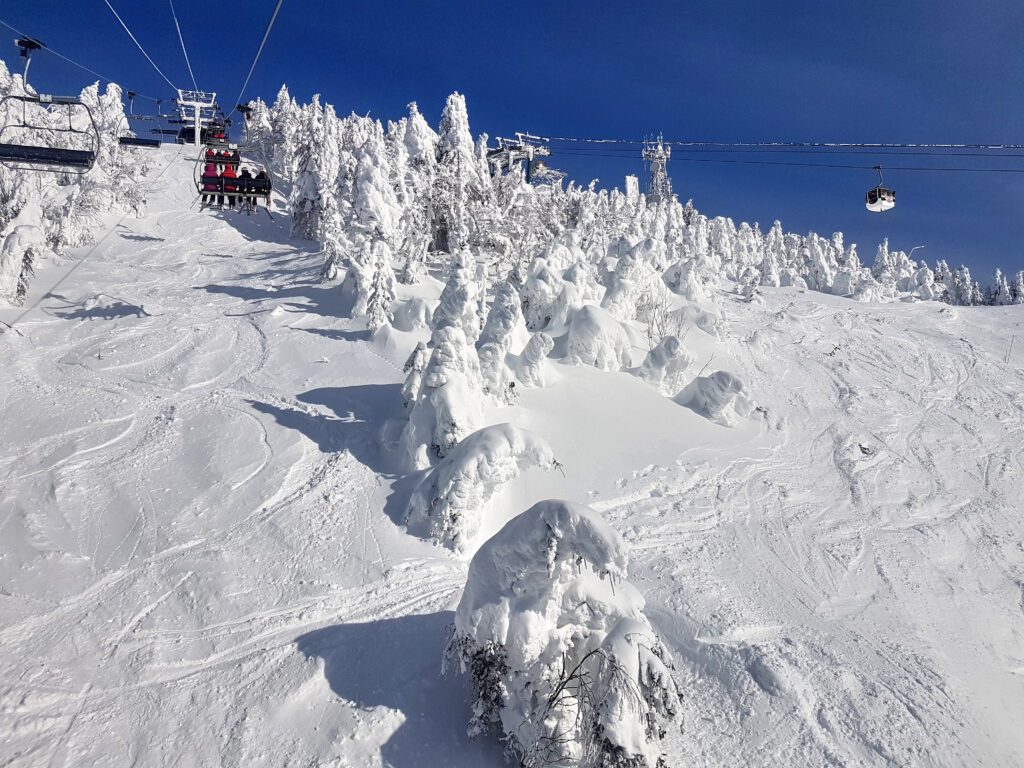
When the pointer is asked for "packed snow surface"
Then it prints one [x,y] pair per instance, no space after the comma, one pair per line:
[202,557]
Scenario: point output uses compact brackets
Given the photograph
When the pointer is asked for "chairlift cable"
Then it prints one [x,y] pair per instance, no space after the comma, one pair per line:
[773,144]
[59,55]
[259,51]
[134,40]
[819,165]
[183,49]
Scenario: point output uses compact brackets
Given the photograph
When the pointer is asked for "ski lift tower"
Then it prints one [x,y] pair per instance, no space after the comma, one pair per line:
[197,108]
[656,155]
[510,152]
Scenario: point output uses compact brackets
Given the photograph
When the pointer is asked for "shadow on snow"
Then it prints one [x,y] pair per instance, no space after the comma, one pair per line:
[356,413]
[360,664]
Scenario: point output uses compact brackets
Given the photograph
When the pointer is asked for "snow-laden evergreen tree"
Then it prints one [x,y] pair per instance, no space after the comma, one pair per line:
[495,342]
[1017,288]
[413,370]
[565,666]
[532,367]
[316,172]
[376,213]
[448,504]
[458,303]
[259,129]
[459,177]
[1001,294]
[286,121]
[449,404]
[382,287]
[19,253]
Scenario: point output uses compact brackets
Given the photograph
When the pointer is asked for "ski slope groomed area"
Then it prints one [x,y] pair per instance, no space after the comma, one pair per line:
[203,560]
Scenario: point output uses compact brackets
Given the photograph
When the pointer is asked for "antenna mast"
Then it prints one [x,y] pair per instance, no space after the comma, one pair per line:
[657,155]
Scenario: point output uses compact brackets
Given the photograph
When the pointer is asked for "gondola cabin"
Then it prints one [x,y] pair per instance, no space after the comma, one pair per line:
[880,199]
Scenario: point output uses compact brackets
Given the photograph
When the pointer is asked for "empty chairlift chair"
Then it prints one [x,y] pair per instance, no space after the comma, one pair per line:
[29,146]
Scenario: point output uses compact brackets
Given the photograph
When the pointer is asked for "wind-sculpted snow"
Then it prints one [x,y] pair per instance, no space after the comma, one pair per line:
[449,502]
[565,667]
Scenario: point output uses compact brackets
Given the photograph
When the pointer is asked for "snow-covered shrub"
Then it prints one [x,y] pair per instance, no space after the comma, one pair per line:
[448,503]
[665,365]
[533,362]
[449,404]
[598,339]
[720,397]
[19,253]
[412,315]
[565,667]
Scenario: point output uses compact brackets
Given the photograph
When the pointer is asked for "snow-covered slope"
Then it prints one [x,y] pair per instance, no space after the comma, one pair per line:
[201,561]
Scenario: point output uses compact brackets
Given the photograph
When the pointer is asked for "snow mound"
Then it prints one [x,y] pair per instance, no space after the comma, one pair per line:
[720,397]
[563,661]
[449,501]
[596,338]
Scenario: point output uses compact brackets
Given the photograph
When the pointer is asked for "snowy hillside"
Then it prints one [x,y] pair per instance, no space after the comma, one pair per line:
[204,561]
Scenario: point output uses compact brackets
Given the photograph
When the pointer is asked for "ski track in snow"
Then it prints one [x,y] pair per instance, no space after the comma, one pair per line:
[197,566]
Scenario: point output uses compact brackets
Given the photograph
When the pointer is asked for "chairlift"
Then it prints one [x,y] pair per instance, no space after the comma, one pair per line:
[881,198]
[237,188]
[39,154]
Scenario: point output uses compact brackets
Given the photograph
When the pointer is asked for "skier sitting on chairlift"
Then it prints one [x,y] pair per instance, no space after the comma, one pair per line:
[230,180]
[261,186]
[245,185]
[211,183]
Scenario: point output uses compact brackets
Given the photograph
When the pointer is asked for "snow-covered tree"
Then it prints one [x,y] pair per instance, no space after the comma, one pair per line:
[495,342]
[565,666]
[316,172]
[449,502]
[449,404]
[382,287]
[533,362]
[18,255]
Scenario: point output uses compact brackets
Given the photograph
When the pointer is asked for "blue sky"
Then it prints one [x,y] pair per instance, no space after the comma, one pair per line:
[716,71]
